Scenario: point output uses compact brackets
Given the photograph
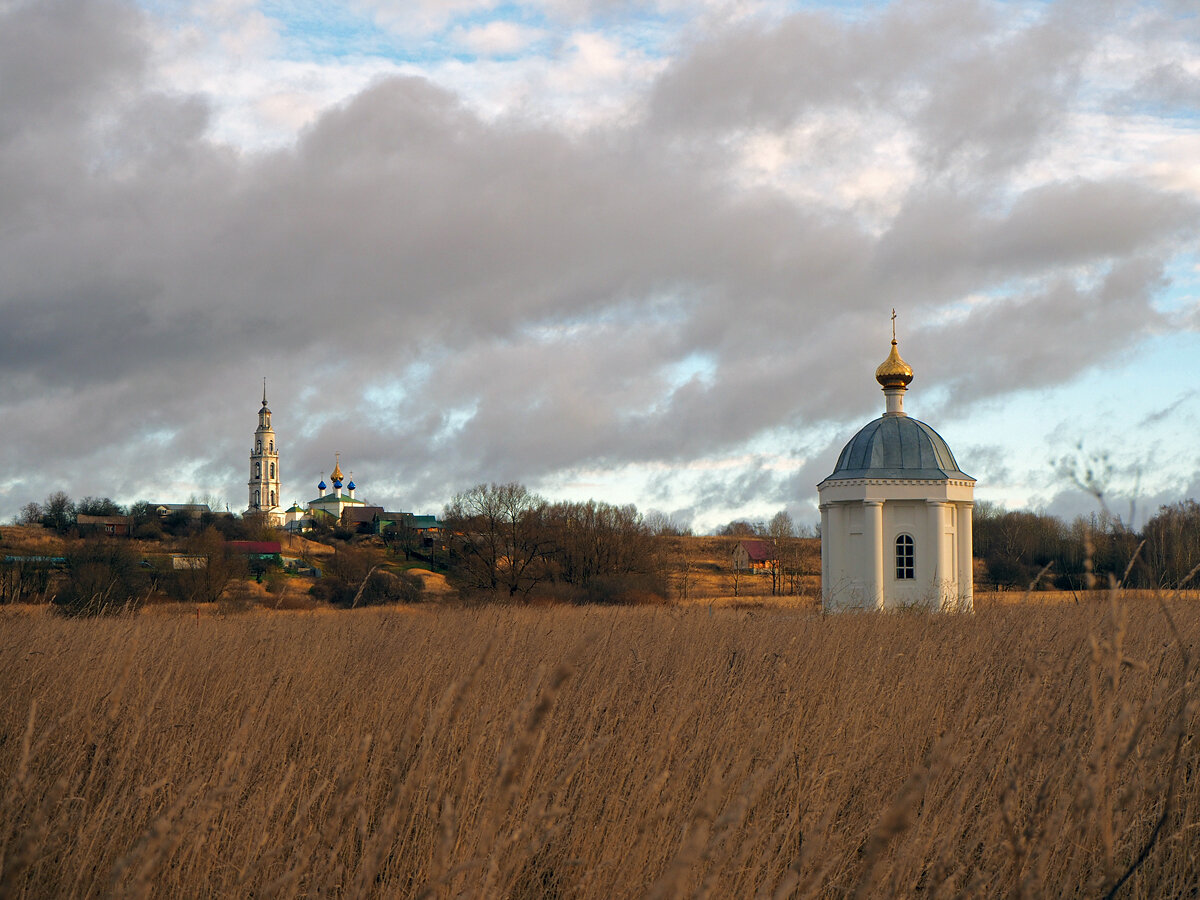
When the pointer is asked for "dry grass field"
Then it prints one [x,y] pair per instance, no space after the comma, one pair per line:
[702,572]
[595,753]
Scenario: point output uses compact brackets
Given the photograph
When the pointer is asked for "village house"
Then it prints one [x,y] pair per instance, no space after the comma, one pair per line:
[754,556]
[116,526]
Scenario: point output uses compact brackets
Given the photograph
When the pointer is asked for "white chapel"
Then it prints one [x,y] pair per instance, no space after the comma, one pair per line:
[896,513]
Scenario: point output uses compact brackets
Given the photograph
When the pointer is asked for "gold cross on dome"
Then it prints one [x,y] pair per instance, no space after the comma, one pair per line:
[893,323]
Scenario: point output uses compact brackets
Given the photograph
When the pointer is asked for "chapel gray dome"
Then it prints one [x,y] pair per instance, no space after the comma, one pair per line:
[897,446]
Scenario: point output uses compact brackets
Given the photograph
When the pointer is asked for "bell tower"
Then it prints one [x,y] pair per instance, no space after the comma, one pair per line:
[264,467]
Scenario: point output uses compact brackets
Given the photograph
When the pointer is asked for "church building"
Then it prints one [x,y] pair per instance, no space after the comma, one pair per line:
[896,513]
[264,469]
[265,493]
[330,506]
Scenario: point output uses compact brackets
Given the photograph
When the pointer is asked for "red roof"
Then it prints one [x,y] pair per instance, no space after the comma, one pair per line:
[260,547]
[759,551]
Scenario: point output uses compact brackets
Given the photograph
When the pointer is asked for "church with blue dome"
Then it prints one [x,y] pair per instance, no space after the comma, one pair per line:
[896,513]
[265,479]
[331,503]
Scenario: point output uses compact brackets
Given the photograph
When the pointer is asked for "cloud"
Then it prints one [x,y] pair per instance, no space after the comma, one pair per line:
[58,57]
[497,38]
[448,294]
[1159,415]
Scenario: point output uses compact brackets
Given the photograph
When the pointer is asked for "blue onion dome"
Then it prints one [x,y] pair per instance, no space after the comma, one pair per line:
[322,485]
[897,447]
[337,484]
[350,485]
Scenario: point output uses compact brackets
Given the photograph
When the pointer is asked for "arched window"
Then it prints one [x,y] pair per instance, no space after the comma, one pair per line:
[257,499]
[905,568]
[272,470]
[258,470]
[272,498]
[258,446]
[272,446]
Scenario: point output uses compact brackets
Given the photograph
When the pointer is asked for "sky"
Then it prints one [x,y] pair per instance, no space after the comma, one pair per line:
[637,252]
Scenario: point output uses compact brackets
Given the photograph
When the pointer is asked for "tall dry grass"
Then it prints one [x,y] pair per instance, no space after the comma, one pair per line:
[1021,752]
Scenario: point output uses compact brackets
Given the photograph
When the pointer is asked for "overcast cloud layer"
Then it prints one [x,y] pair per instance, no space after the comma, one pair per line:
[631,252]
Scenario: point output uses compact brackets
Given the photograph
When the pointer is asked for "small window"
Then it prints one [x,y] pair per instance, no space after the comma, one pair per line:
[272,446]
[905,570]
[272,470]
[258,470]
[272,498]
[258,446]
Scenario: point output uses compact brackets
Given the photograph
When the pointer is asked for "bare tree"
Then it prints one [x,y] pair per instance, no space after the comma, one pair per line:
[98,506]
[1173,543]
[31,514]
[781,532]
[497,531]
[58,512]
[101,578]
[660,524]
[684,577]
[23,580]
[211,566]
[597,539]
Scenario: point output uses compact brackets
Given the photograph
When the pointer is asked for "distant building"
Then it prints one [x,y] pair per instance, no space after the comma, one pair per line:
[896,513]
[330,506]
[117,526]
[257,549]
[421,531]
[264,469]
[191,510]
[335,503]
[754,556]
[362,518]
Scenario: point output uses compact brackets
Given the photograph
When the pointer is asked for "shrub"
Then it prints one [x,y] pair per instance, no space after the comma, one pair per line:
[625,590]
[382,588]
[23,581]
[332,589]
[102,577]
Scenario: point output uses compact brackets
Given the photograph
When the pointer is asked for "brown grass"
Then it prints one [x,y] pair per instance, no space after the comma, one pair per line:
[501,752]
[710,573]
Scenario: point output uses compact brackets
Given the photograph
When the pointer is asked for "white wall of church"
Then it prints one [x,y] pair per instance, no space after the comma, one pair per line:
[854,577]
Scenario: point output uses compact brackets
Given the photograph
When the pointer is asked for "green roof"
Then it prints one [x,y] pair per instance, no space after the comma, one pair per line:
[334,500]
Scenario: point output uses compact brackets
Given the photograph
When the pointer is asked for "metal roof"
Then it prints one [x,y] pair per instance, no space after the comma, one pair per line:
[897,447]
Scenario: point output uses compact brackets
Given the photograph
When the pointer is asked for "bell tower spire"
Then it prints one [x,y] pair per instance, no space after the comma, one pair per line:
[264,467]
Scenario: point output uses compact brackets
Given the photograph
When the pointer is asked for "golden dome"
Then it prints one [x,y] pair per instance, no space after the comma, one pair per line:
[894,371]
[336,475]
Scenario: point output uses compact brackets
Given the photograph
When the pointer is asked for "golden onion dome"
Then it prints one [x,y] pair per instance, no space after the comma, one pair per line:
[336,475]
[894,371]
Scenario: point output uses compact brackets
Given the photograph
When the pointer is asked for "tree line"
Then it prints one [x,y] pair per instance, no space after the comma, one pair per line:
[506,541]
[1021,548]
[100,576]
[59,513]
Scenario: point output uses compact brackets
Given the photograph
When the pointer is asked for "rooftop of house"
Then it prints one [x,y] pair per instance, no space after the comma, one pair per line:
[758,551]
